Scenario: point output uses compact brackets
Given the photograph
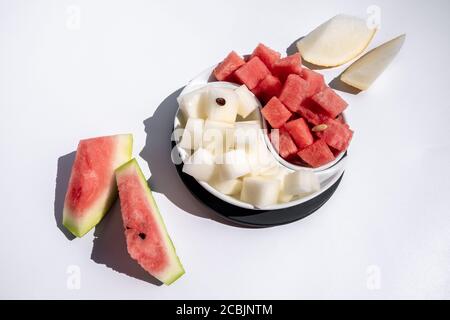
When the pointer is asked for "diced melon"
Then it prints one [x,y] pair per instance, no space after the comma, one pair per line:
[300,133]
[317,154]
[218,137]
[260,159]
[288,65]
[235,164]
[228,187]
[309,115]
[192,134]
[329,102]
[201,165]
[252,72]
[192,104]
[268,56]
[224,71]
[247,101]
[337,135]
[276,113]
[315,80]
[269,87]
[246,134]
[301,182]
[222,105]
[260,191]
[294,92]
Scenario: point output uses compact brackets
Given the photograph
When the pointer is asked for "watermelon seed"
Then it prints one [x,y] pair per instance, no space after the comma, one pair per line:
[320,127]
[128,228]
[142,236]
[221,101]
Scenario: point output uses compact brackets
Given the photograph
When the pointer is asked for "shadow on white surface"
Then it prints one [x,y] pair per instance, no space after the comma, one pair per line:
[157,153]
[110,247]
[62,181]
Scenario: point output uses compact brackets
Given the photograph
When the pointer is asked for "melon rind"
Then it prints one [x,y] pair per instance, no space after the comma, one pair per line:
[175,269]
[80,226]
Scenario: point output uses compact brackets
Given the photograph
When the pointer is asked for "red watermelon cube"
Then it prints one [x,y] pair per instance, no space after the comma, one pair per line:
[294,92]
[316,82]
[336,135]
[267,55]
[269,87]
[252,72]
[309,115]
[276,113]
[226,68]
[317,154]
[286,66]
[329,102]
[283,143]
[299,131]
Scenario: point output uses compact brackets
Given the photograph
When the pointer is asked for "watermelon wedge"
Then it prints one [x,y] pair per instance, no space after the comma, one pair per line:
[92,188]
[147,239]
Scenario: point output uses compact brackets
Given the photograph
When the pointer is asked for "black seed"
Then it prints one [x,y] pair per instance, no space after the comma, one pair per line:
[221,101]
[142,236]
[128,228]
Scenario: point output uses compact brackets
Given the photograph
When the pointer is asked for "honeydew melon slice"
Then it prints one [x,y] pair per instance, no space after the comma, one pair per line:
[363,72]
[92,188]
[336,41]
[147,239]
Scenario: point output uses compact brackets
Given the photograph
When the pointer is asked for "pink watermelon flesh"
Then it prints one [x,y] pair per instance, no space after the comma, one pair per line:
[294,92]
[299,131]
[283,143]
[267,55]
[310,116]
[224,71]
[275,113]
[147,239]
[317,154]
[91,189]
[289,65]
[316,82]
[269,87]
[252,72]
[337,135]
[329,102]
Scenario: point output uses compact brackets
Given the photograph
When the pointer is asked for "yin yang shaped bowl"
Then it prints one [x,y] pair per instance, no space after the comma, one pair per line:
[241,212]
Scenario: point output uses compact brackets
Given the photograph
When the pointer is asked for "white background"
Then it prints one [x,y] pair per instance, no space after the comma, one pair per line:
[384,234]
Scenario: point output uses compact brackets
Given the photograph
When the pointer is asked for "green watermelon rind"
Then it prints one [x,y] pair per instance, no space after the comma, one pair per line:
[80,227]
[175,260]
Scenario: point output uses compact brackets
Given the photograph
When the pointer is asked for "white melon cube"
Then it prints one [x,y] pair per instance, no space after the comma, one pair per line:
[246,134]
[247,101]
[193,104]
[260,158]
[222,105]
[228,187]
[260,191]
[200,165]
[301,182]
[235,164]
[218,137]
[192,134]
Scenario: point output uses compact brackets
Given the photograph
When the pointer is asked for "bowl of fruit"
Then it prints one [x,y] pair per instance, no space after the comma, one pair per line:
[243,135]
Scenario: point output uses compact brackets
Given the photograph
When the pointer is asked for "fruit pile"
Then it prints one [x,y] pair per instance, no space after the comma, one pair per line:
[225,148]
[306,113]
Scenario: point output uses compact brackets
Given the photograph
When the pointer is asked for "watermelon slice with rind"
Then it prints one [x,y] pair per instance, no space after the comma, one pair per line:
[92,188]
[147,239]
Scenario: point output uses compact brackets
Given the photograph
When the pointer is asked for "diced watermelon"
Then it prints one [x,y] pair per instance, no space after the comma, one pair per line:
[276,113]
[299,131]
[283,143]
[267,55]
[288,65]
[269,87]
[294,92]
[337,135]
[316,82]
[329,102]
[252,72]
[309,115]
[224,71]
[317,154]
